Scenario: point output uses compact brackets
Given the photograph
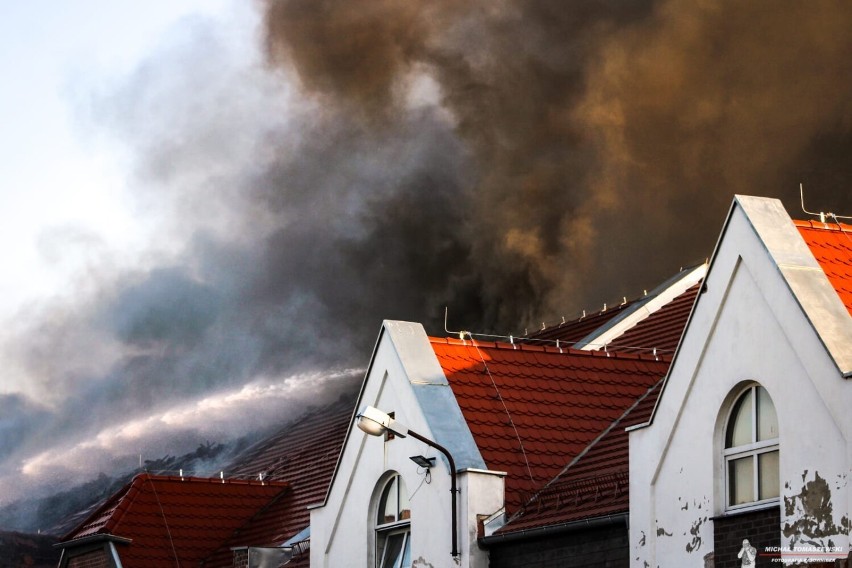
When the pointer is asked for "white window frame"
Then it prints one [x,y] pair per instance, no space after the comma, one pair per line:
[753,450]
[384,531]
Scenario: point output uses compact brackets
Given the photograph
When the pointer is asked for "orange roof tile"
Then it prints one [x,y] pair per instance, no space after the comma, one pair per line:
[595,485]
[532,409]
[831,245]
[173,520]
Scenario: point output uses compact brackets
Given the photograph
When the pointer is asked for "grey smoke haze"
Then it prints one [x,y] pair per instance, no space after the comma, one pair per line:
[515,161]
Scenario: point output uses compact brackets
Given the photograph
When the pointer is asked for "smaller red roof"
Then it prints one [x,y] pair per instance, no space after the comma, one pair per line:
[175,521]
[831,245]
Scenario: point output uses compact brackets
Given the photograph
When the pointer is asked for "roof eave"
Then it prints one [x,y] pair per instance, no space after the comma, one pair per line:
[549,530]
[91,539]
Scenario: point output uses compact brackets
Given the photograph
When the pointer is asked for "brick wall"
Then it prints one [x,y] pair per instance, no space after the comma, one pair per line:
[94,559]
[761,528]
[604,547]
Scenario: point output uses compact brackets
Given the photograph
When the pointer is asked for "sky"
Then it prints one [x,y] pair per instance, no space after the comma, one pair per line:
[64,188]
[69,203]
[209,207]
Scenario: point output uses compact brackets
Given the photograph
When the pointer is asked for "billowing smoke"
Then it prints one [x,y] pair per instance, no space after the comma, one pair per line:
[605,139]
[513,160]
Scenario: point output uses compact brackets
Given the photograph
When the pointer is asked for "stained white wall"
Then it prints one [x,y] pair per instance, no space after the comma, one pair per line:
[749,325]
[342,529]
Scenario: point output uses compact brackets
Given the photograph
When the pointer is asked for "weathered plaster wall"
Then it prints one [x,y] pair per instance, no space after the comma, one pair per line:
[747,327]
[341,530]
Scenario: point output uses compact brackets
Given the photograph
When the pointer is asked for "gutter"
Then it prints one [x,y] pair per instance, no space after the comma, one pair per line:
[95,538]
[596,522]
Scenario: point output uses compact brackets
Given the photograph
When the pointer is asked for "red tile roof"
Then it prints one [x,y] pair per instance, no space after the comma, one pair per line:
[595,484]
[206,517]
[532,409]
[831,245]
[176,521]
[661,330]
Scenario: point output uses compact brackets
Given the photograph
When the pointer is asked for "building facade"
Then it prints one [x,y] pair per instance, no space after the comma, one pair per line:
[746,456]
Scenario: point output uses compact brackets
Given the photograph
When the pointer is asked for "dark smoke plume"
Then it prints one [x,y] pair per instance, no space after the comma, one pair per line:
[515,161]
[606,139]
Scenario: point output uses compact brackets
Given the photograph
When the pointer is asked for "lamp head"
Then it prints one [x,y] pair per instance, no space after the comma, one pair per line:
[375,422]
[423,461]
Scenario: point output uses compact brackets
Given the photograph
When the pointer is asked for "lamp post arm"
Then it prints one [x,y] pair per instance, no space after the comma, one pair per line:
[453,489]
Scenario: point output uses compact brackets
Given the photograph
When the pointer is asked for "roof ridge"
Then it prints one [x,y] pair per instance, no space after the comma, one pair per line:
[501,345]
[624,301]
[124,502]
[215,480]
[110,502]
[819,225]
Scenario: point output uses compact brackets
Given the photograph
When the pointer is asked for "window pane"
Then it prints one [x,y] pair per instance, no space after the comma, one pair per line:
[389,504]
[739,426]
[406,552]
[767,467]
[393,551]
[767,420]
[741,480]
[404,506]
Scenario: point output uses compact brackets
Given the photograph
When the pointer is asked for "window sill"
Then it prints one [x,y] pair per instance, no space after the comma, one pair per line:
[748,509]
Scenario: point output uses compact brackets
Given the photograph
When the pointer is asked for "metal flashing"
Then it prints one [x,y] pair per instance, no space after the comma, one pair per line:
[434,395]
[659,297]
[805,278]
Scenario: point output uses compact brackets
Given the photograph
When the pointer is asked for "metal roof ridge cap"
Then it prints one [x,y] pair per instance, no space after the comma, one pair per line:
[790,253]
[90,539]
[682,281]
[439,406]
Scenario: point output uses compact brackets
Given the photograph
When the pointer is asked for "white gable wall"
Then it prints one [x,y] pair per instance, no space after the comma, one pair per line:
[747,326]
[404,377]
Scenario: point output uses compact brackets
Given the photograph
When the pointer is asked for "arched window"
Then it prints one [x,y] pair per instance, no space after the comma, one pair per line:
[751,450]
[393,526]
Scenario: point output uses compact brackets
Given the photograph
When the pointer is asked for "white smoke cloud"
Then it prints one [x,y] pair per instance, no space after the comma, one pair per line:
[225,415]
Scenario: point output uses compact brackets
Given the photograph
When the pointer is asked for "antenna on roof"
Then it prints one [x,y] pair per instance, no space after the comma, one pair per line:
[805,211]
[821,215]
[460,333]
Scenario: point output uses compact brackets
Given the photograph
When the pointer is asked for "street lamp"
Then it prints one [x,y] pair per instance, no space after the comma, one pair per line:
[375,423]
